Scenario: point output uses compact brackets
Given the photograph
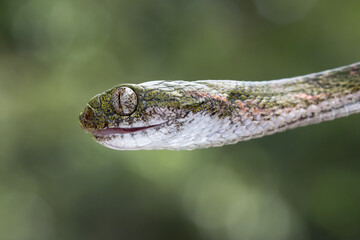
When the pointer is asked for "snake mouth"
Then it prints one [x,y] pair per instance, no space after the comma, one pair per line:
[113,131]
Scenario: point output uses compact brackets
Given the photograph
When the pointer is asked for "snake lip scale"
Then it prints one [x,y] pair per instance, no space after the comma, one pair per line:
[113,131]
[185,115]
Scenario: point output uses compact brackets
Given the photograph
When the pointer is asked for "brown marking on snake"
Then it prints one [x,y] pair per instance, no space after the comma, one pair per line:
[207,95]
[313,98]
[240,104]
[354,72]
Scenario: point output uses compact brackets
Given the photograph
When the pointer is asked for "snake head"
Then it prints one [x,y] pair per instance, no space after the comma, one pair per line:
[109,109]
[132,117]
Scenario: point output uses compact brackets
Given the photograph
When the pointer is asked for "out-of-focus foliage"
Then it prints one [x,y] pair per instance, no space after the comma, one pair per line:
[57,183]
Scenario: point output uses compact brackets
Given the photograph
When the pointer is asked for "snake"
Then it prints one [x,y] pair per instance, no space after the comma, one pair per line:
[187,115]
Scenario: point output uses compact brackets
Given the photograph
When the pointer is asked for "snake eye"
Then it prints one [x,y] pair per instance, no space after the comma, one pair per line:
[124,100]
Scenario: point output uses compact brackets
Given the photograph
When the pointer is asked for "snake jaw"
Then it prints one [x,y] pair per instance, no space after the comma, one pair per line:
[133,138]
[117,130]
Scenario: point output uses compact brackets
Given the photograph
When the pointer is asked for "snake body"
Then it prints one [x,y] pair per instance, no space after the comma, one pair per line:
[188,115]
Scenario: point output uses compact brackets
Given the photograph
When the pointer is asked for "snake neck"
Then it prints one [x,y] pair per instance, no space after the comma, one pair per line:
[254,109]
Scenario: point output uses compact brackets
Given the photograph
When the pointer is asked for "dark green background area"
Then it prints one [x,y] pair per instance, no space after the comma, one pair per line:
[57,183]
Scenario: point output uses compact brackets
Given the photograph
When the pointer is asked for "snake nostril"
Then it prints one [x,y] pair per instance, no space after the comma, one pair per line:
[88,114]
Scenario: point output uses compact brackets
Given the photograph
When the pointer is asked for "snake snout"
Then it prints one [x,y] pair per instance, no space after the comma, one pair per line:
[86,117]
[92,119]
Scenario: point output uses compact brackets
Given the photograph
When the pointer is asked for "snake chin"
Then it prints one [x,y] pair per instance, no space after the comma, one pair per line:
[133,138]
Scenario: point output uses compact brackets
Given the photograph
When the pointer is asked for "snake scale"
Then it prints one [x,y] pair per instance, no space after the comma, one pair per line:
[179,115]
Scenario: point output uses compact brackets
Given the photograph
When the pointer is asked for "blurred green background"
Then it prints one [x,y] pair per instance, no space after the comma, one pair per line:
[57,183]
